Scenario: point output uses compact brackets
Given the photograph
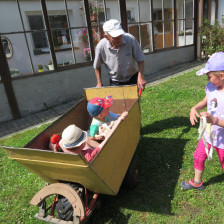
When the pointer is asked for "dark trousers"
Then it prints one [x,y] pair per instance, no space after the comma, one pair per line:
[132,81]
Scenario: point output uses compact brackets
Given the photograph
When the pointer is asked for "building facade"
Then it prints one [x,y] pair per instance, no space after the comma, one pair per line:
[47,46]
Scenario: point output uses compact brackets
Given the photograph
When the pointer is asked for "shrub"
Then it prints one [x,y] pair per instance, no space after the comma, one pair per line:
[212,37]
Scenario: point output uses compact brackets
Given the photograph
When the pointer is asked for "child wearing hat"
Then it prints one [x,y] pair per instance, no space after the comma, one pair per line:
[99,109]
[214,100]
[74,140]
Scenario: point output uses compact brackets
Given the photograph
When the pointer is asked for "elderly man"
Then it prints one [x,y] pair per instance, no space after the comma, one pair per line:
[122,56]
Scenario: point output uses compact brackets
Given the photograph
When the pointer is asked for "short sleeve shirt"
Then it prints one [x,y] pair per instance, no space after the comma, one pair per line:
[111,117]
[215,106]
[121,63]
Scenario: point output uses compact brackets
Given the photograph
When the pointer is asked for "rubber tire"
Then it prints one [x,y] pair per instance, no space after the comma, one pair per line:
[131,179]
[64,208]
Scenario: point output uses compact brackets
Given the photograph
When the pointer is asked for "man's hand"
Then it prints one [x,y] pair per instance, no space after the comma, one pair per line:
[99,85]
[141,82]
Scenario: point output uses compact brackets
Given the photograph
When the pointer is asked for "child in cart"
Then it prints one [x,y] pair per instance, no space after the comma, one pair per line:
[103,118]
[75,141]
[214,100]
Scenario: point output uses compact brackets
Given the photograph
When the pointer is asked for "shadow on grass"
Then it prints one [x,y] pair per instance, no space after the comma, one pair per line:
[160,160]
[214,180]
[170,123]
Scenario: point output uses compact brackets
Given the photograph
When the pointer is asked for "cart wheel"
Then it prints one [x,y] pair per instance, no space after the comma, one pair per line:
[132,176]
[63,207]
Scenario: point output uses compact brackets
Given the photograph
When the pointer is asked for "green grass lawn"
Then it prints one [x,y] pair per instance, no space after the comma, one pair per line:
[166,157]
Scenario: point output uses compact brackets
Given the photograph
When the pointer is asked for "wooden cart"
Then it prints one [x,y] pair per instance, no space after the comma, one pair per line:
[69,176]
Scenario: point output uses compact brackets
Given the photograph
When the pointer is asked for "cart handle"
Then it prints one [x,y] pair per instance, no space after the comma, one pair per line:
[139,93]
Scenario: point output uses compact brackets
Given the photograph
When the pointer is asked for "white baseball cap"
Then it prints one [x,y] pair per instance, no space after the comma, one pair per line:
[113,27]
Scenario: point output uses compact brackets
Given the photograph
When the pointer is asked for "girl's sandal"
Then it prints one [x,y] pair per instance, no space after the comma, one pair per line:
[192,185]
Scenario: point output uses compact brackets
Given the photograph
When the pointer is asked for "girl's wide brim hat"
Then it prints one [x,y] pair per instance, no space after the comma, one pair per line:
[73,137]
[214,63]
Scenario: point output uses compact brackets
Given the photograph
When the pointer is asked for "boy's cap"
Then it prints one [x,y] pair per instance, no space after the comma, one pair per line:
[113,27]
[73,136]
[214,63]
[96,105]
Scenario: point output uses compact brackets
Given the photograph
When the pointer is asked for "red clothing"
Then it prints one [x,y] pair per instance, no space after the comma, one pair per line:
[90,153]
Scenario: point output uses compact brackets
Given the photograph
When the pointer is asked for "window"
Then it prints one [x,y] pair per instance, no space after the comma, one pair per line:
[185,22]
[39,38]
[60,34]
[128,12]
[163,23]
[69,32]
[140,22]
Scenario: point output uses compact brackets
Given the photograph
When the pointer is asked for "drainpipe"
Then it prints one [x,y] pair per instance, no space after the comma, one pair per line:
[7,82]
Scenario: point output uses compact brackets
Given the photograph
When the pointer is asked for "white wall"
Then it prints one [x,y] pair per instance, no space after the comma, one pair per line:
[159,61]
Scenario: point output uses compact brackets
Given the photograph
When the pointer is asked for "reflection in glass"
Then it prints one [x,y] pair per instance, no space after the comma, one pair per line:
[180,33]
[36,22]
[180,9]
[189,10]
[61,37]
[19,64]
[146,37]
[81,45]
[134,30]
[185,32]
[158,27]
[96,9]
[12,21]
[7,46]
[168,10]
[189,31]
[112,10]
[157,10]
[98,34]
[158,35]
[168,35]
[132,11]
[145,10]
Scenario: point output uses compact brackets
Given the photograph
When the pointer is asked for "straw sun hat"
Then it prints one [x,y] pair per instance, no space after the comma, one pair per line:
[72,136]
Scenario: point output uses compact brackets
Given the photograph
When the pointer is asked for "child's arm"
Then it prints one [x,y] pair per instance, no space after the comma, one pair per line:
[90,153]
[91,142]
[123,115]
[194,110]
[213,120]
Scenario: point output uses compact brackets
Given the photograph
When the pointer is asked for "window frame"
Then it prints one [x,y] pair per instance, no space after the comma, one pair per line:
[89,26]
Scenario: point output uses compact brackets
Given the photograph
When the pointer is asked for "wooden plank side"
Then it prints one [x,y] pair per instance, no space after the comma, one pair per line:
[121,92]
[113,160]
[77,115]
[44,156]
[54,167]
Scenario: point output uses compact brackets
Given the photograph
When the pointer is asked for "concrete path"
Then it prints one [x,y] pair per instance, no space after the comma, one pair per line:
[14,126]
